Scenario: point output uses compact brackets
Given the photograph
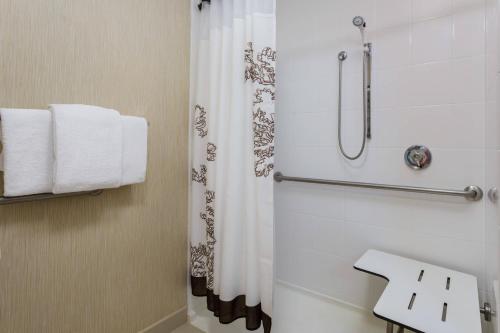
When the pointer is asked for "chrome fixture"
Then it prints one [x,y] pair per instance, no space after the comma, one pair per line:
[418,157]
[359,22]
[487,311]
[471,192]
[45,196]
[390,328]
[342,56]
[493,194]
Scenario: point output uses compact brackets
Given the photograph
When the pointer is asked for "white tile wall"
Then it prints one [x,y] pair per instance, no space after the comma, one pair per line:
[432,40]
[428,9]
[434,84]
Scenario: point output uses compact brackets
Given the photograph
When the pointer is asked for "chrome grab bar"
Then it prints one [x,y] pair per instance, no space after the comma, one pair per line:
[471,193]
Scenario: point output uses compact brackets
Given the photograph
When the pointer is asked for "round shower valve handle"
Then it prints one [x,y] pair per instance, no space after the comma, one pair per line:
[418,157]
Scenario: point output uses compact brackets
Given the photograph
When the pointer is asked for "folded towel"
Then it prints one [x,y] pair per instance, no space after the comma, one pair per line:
[87,148]
[27,151]
[135,149]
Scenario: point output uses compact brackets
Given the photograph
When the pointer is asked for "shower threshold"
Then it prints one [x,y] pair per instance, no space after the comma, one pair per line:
[297,310]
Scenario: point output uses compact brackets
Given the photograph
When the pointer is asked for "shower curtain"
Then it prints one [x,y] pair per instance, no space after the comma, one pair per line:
[232,146]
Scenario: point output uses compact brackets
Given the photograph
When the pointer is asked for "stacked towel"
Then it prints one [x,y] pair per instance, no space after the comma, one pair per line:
[87,148]
[27,151]
[135,143]
[71,148]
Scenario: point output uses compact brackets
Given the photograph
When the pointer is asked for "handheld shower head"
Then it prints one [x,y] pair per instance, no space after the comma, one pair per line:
[359,22]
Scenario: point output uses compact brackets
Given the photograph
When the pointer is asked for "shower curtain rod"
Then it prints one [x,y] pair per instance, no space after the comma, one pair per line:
[471,193]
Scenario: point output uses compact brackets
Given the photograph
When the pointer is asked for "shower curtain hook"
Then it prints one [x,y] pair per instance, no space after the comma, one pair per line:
[200,4]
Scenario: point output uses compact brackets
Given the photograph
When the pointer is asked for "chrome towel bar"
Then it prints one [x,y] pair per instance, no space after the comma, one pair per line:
[44,196]
[471,193]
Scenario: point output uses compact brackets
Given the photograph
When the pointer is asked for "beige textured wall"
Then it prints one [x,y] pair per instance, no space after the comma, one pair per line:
[114,263]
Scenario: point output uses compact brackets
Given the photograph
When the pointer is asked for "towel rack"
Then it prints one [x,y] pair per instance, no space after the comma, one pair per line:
[471,192]
[44,196]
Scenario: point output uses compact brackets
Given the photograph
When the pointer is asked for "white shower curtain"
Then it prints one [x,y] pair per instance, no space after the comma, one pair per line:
[233,92]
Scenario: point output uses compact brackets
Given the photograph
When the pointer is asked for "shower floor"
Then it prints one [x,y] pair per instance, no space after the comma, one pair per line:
[298,311]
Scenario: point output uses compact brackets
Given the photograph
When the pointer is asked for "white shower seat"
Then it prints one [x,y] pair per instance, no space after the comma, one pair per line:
[423,297]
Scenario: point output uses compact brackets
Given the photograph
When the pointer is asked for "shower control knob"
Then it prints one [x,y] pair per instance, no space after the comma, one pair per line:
[418,157]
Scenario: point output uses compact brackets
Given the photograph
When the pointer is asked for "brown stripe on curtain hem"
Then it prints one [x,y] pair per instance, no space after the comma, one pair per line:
[229,311]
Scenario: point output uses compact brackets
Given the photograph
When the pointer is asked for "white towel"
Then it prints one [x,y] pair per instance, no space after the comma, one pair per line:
[135,149]
[27,151]
[87,148]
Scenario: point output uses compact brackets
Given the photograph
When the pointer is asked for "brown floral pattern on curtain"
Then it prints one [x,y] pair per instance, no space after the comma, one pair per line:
[211,152]
[202,255]
[208,216]
[200,121]
[260,69]
[199,254]
[199,176]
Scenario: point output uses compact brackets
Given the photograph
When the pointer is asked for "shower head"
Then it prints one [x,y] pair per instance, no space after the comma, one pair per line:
[359,22]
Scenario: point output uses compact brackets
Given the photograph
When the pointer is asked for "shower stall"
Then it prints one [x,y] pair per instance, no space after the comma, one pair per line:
[383,142]
[433,84]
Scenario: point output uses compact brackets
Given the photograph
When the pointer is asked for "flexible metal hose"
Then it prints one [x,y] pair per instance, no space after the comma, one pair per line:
[366,66]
